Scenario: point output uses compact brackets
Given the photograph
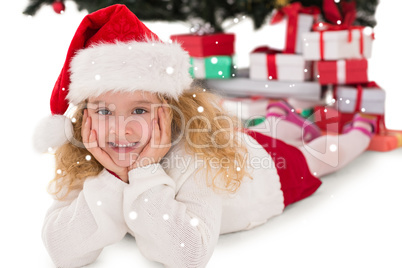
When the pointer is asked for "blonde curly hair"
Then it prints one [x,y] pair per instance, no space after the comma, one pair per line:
[221,141]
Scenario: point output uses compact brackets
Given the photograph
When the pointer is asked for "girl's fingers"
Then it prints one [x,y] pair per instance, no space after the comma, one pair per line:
[88,135]
[92,141]
[165,125]
[84,132]
[168,120]
[85,115]
[156,132]
[91,137]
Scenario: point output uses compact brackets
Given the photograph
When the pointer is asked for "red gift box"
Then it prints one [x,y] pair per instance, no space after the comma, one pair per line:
[342,71]
[330,120]
[206,45]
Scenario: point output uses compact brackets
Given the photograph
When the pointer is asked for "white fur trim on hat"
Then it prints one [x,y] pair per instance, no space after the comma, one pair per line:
[149,66]
[52,132]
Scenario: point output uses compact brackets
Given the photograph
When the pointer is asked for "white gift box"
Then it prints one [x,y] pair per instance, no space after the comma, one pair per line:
[342,44]
[245,108]
[372,100]
[282,67]
[277,33]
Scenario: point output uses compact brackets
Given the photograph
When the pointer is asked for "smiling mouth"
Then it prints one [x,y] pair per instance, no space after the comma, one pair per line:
[116,145]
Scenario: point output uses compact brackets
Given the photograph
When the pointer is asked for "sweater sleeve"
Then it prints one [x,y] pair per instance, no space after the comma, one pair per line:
[77,229]
[176,230]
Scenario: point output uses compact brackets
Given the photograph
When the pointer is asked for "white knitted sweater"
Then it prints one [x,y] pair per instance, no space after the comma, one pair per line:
[175,218]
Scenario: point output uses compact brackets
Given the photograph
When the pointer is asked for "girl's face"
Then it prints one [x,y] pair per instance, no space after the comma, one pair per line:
[122,121]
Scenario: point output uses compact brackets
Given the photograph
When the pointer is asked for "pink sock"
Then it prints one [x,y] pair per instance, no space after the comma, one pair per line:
[364,125]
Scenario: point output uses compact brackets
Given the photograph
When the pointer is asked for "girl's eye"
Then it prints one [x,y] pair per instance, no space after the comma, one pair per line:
[103,112]
[139,111]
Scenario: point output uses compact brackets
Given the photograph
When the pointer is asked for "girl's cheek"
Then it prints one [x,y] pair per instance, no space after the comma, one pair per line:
[142,129]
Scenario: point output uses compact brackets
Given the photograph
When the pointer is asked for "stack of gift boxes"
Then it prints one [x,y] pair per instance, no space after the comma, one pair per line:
[340,62]
[301,48]
[211,55]
[302,54]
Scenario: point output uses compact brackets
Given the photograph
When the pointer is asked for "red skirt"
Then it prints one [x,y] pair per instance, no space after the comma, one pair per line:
[297,182]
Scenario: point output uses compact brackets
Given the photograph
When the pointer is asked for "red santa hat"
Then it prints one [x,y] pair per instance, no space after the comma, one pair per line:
[112,50]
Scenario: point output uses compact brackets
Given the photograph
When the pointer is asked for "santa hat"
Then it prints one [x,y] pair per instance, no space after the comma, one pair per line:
[112,50]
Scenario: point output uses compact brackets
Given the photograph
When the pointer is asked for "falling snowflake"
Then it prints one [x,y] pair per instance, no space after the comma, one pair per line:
[333,148]
[194,222]
[169,70]
[133,215]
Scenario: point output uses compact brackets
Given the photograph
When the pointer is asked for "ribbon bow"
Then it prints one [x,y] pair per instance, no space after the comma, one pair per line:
[293,10]
[336,19]
[332,14]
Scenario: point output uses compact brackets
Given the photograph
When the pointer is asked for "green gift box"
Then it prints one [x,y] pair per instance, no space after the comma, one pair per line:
[215,67]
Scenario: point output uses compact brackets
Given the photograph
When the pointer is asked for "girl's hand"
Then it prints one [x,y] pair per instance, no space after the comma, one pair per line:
[89,138]
[160,141]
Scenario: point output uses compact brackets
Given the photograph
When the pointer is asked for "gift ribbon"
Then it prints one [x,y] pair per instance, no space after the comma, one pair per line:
[292,11]
[271,66]
[359,93]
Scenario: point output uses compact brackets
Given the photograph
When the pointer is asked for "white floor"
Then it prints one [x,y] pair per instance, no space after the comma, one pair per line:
[353,220]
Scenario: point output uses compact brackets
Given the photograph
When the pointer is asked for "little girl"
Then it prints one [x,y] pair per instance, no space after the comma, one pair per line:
[145,154]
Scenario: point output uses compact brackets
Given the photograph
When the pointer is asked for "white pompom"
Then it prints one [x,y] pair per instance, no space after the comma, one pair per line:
[52,132]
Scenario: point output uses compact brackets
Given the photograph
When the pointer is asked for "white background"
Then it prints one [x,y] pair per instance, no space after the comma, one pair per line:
[353,220]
